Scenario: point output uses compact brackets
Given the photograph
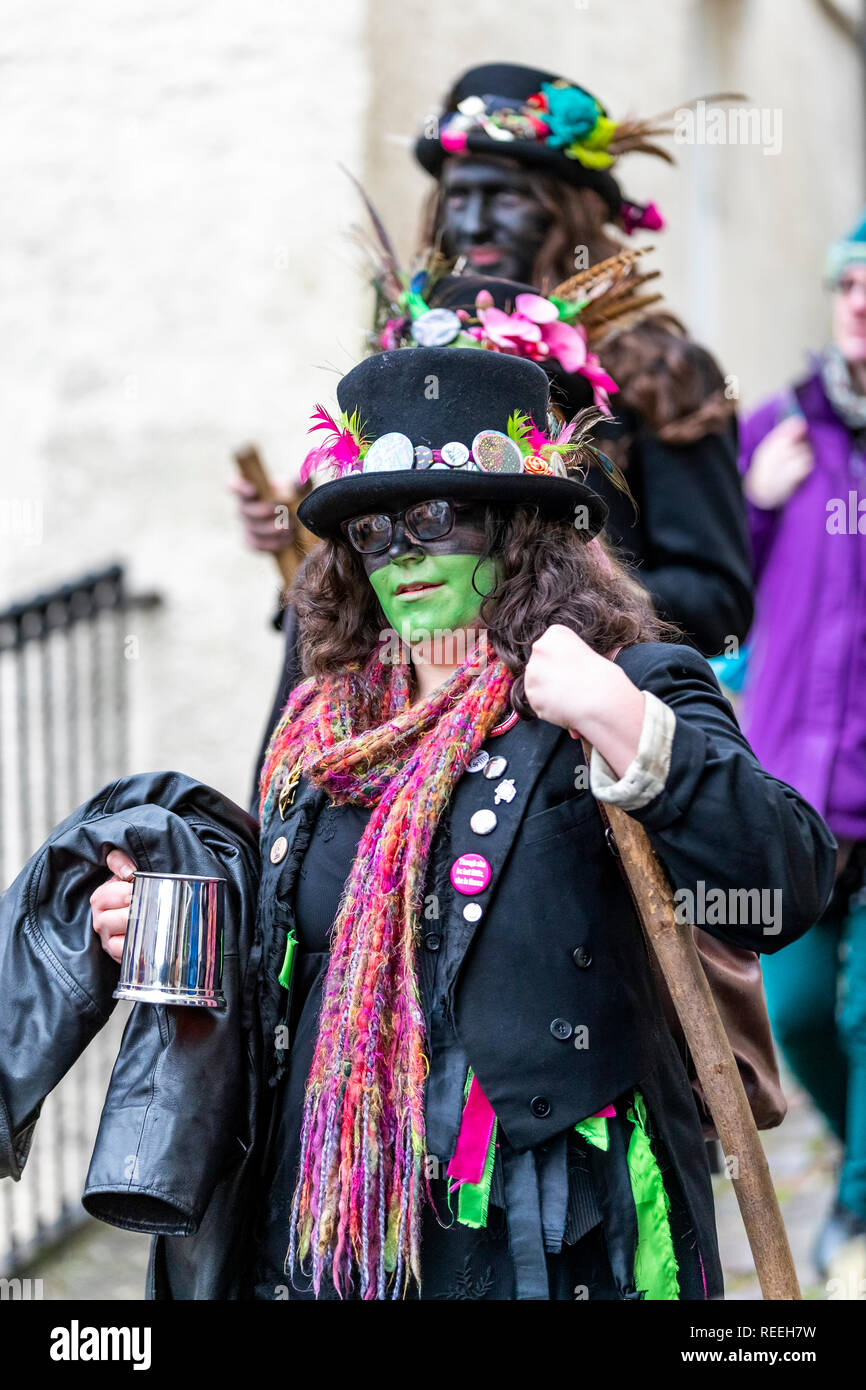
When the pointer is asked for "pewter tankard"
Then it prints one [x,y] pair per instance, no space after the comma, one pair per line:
[173,949]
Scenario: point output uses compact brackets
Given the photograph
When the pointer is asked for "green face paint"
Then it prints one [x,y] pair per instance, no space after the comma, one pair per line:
[449,604]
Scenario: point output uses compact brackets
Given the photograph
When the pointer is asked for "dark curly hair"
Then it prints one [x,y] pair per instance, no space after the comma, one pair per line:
[548,573]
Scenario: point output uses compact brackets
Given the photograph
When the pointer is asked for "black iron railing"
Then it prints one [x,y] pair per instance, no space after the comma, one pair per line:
[64,732]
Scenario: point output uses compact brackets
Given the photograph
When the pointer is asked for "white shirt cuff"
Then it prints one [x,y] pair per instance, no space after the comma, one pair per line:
[647,773]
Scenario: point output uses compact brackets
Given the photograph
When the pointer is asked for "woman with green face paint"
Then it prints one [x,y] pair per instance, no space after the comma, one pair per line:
[431,591]
[469,1090]
[475,1034]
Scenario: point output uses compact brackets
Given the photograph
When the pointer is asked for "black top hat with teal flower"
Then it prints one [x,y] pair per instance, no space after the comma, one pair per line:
[547,123]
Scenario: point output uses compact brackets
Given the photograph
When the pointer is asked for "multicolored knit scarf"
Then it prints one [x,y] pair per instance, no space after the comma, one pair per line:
[361,1182]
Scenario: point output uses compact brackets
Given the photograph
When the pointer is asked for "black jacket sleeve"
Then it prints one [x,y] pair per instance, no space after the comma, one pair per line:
[688,541]
[722,821]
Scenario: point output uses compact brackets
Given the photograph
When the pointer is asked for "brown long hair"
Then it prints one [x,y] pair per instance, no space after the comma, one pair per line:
[675,385]
[548,574]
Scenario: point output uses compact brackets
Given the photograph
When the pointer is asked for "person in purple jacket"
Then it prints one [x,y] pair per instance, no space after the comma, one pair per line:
[804,712]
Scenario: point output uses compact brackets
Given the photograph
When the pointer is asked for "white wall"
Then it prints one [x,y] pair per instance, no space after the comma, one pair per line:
[175,279]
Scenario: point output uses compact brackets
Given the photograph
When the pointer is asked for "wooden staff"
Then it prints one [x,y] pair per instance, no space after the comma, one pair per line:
[251,466]
[714,1061]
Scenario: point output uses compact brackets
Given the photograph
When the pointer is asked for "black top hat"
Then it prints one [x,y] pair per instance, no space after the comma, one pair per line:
[431,398]
[505,89]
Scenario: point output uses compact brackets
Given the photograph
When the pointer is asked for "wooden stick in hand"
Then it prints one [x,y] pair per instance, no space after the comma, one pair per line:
[251,466]
[714,1061]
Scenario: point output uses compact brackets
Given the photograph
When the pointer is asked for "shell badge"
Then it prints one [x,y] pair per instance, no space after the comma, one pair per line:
[390,453]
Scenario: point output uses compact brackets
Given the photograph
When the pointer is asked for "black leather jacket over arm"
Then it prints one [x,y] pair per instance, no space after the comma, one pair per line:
[181,1104]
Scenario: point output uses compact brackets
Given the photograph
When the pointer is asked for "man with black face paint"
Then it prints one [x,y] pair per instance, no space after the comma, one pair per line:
[525,189]
[491,219]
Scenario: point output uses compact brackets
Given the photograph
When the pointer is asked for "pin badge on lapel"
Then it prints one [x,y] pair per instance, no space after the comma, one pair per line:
[506,791]
[287,795]
[470,873]
[483,822]
[496,766]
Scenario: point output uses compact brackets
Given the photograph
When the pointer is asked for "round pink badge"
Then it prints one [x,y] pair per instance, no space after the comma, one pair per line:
[470,873]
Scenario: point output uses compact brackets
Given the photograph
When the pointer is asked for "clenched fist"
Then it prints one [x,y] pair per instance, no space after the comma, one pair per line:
[569,684]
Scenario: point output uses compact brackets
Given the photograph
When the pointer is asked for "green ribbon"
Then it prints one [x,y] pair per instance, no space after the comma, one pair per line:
[285,975]
[594,1131]
[655,1265]
[473,1198]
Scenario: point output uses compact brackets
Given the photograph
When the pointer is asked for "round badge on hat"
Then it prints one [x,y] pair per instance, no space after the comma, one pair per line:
[478,762]
[454,454]
[423,456]
[494,452]
[390,453]
[436,328]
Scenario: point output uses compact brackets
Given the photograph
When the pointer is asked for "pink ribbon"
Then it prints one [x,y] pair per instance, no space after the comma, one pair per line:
[476,1127]
[473,1141]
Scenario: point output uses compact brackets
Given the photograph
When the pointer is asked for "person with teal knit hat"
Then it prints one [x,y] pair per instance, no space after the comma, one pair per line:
[850,250]
[803,458]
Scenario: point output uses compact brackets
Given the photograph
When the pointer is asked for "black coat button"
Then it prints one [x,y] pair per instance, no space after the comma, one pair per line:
[581,957]
[561,1028]
[432,941]
[540,1107]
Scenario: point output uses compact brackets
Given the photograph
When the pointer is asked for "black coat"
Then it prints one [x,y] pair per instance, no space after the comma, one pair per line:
[557,940]
[685,534]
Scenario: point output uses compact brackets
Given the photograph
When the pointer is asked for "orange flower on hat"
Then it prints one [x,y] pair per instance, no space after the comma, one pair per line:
[534,463]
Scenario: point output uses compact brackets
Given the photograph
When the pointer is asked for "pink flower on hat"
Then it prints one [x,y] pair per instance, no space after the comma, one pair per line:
[454,139]
[536,331]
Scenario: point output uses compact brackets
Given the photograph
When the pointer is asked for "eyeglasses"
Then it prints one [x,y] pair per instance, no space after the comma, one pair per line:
[847,284]
[425,521]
